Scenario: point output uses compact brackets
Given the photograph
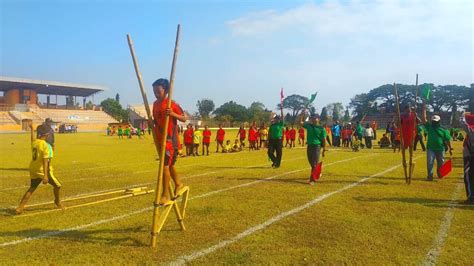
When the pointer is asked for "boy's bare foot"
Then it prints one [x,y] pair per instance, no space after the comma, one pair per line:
[59,205]
[165,200]
[177,189]
[19,211]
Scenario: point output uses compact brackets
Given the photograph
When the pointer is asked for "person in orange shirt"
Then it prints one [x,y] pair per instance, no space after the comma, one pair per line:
[374,128]
[175,113]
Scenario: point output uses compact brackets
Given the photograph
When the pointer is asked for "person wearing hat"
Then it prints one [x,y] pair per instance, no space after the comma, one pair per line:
[275,141]
[437,138]
[47,123]
[41,170]
[315,140]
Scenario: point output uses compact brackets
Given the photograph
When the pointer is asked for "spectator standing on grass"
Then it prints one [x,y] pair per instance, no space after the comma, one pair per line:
[374,128]
[368,136]
[197,138]
[328,134]
[120,132]
[220,136]
[315,141]
[437,139]
[188,139]
[336,133]
[292,136]
[301,133]
[241,135]
[420,129]
[263,136]
[396,137]
[275,142]
[206,140]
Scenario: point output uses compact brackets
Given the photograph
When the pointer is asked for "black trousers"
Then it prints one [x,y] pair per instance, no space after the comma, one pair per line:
[368,142]
[275,145]
[419,138]
[469,176]
[313,152]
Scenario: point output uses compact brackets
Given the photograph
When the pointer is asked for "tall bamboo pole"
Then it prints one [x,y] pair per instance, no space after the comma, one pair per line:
[402,146]
[156,210]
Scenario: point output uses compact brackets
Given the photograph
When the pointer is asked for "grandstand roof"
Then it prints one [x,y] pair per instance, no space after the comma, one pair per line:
[49,87]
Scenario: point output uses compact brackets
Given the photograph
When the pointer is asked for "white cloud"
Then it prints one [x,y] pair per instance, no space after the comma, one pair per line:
[445,21]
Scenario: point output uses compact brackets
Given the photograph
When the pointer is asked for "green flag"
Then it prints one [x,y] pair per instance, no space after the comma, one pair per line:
[426,92]
[313,97]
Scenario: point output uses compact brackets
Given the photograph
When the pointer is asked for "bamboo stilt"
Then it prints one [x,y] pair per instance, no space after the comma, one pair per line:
[159,218]
[402,147]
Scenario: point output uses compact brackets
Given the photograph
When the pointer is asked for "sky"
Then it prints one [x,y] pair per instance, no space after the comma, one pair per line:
[243,51]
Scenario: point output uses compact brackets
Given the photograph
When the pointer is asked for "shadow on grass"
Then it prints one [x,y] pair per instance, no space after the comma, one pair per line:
[100,236]
[435,203]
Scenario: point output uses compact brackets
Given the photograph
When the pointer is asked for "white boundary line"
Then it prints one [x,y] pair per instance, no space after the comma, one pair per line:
[203,252]
[111,219]
[438,243]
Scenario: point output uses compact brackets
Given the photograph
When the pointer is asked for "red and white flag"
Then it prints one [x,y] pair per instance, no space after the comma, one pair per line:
[281,95]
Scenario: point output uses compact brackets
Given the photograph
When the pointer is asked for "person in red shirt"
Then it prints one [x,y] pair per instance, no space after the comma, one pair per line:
[374,128]
[220,136]
[301,133]
[292,136]
[206,140]
[175,113]
[286,133]
[252,137]
[241,134]
[188,139]
[408,126]
[396,137]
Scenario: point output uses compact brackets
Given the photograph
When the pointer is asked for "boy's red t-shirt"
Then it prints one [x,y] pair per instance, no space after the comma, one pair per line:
[159,115]
[252,134]
[188,136]
[206,136]
[242,133]
[220,135]
[301,132]
[408,122]
[344,133]
[293,134]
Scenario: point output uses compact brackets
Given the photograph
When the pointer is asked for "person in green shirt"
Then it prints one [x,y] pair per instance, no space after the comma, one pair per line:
[437,138]
[120,132]
[127,132]
[419,135]
[316,138]
[275,142]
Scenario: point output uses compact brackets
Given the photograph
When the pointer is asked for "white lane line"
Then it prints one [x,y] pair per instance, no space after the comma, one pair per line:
[203,252]
[438,243]
[153,182]
[111,219]
[125,175]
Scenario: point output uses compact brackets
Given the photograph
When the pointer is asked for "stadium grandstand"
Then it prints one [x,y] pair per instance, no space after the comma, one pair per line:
[19,104]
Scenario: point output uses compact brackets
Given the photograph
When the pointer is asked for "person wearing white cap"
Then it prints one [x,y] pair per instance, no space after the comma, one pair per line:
[437,138]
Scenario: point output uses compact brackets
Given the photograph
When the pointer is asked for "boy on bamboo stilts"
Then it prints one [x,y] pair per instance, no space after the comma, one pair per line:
[175,113]
[41,170]
[408,125]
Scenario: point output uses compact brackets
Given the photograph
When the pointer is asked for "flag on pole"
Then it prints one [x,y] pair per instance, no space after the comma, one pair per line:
[316,173]
[281,95]
[446,168]
[426,92]
[313,97]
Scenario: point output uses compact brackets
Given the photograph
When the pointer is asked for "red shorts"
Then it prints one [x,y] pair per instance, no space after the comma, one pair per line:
[171,153]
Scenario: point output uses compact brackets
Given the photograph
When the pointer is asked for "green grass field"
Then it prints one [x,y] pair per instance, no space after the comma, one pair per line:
[241,211]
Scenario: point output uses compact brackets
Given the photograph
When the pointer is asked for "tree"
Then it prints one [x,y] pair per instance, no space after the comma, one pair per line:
[236,111]
[336,110]
[114,109]
[296,103]
[324,114]
[205,107]
[347,116]
[257,112]
[89,105]
[117,97]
